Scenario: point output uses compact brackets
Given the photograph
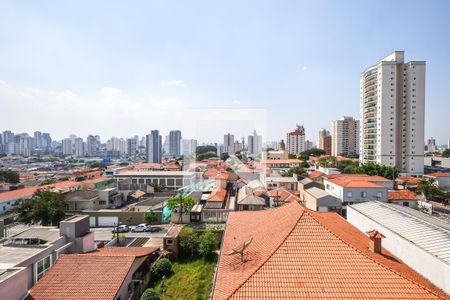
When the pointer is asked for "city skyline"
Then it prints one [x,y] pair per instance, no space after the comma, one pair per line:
[97,74]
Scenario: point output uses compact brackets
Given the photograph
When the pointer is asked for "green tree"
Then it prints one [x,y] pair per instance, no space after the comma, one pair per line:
[150,294]
[295,170]
[9,176]
[446,153]
[44,207]
[314,152]
[205,149]
[206,155]
[150,217]
[207,244]
[162,267]
[304,164]
[95,164]
[158,187]
[183,203]
[188,241]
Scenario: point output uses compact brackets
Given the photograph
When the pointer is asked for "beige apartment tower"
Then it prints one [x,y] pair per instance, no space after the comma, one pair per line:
[345,137]
[392,104]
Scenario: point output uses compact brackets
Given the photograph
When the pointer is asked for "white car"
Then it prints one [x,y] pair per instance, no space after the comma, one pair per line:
[139,228]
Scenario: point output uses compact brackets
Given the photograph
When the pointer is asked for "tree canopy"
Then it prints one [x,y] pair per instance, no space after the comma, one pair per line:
[432,192]
[294,170]
[206,155]
[9,176]
[44,207]
[183,203]
[205,149]
[446,153]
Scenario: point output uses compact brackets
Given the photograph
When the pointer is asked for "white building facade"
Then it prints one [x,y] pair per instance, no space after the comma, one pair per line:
[392,103]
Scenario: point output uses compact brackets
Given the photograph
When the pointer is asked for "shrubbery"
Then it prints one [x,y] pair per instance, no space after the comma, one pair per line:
[150,294]
[192,243]
[162,267]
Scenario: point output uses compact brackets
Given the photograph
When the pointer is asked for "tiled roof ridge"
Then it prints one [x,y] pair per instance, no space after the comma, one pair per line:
[269,256]
[372,259]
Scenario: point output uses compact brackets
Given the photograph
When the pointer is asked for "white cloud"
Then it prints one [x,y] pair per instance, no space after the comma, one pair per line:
[172,83]
[111,113]
[304,68]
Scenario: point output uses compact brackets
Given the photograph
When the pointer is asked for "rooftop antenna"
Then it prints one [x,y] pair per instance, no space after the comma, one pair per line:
[240,249]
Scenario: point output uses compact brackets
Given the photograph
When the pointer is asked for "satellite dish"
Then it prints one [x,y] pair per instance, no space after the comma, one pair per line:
[240,249]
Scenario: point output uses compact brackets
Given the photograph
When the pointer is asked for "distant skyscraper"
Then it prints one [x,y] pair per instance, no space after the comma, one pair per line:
[131,146]
[188,147]
[37,143]
[345,136]
[67,146]
[154,147]
[46,142]
[254,143]
[296,142]
[281,145]
[431,145]
[175,142]
[325,141]
[228,143]
[91,145]
[8,137]
[79,147]
[392,102]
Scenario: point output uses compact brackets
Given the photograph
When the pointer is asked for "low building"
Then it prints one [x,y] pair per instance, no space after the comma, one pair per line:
[37,248]
[419,240]
[290,252]
[282,195]
[318,200]
[247,200]
[139,180]
[170,240]
[110,273]
[442,179]
[403,198]
[353,188]
[276,182]
[276,155]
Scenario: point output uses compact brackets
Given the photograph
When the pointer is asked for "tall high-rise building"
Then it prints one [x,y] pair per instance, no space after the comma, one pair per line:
[281,145]
[8,137]
[228,143]
[46,142]
[91,145]
[325,141]
[188,147]
[79,147]
[67,146]
[296,142]
[431,145]
[175,142]
[37,142]
[345,136]
[392,102]
[131,146]
[154,147]
[254,143]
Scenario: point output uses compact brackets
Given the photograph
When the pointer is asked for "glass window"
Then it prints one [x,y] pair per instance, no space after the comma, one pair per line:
[349,194]
[363,194]
[379,194]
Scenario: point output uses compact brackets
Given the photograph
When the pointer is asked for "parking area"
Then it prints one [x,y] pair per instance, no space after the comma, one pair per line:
[105,233]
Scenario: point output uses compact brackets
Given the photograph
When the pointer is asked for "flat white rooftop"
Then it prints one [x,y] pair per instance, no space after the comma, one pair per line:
[154,173]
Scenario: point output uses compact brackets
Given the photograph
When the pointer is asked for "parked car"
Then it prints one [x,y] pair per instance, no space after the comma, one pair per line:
[139,228]
[153,229]
[120,229]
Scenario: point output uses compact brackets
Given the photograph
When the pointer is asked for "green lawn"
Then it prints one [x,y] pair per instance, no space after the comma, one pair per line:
[190,280]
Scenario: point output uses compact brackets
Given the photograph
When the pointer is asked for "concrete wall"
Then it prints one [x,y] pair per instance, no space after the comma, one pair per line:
[124,216]
[15,287]
[432,268]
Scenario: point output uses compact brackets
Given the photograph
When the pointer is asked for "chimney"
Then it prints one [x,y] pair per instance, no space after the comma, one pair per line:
[375,240]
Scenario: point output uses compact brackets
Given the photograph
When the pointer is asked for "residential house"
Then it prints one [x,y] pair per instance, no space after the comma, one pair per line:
[319,200]
[290,252]
[442,179]
[403,198]
[111,273]
[247,200]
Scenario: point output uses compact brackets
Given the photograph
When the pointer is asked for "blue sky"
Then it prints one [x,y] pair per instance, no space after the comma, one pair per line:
[123,68]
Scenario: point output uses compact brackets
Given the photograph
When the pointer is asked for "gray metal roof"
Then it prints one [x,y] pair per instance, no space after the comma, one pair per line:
[424,231]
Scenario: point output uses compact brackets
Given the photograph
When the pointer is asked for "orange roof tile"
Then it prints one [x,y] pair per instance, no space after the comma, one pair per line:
[315,174]
[355,184]
[96,275]
[296,253]
[218,194]
[399,195]
[283,195]
[439,174]
[222,175]
[409,179]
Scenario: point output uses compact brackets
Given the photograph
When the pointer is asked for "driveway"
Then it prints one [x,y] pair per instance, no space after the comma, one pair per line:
[105,233]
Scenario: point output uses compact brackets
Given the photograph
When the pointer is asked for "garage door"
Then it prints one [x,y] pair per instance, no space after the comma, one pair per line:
[107,221]
[92,221]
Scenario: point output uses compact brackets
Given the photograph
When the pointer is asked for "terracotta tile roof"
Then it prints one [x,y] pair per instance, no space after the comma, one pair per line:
[211,172]
[283,195]
[439,174]
[399,195]
[218,194]
[355,184]
[96,275]
[409,179]
[296,253]
[315,174]
[222,175]
[280,161]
